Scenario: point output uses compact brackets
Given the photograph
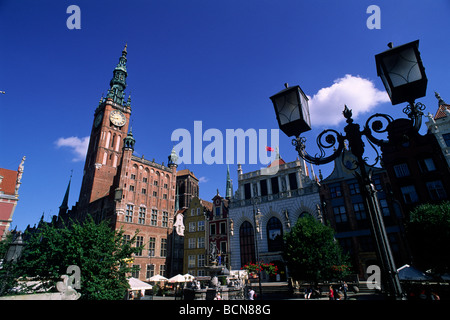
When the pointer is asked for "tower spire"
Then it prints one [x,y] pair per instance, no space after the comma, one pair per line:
[118,83]
[229,187]
[64,205]
[129,141]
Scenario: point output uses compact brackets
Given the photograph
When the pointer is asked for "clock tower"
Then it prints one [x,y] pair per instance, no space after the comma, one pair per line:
[110,127]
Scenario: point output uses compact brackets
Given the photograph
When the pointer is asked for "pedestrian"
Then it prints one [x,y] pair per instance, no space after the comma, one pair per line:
[251,294]
[331,293]
[218,297]
[344,289]
[308,292]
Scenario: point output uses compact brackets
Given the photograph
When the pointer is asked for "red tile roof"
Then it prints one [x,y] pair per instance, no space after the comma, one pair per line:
[441,111]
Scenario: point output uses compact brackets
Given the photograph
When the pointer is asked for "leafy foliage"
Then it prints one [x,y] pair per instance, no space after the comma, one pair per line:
[99,252]
[312,253]
[428,232]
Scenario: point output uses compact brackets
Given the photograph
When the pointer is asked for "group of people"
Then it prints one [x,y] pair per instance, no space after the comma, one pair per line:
[338,293]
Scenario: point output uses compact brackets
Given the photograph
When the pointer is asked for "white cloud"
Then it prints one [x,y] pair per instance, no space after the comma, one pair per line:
[79,146]
[359,94]
[202,179]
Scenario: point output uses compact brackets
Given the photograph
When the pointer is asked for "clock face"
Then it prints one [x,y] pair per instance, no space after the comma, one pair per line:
[98,119]
[117,118]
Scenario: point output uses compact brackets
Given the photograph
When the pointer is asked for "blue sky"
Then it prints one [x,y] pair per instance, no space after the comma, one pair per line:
[212,61]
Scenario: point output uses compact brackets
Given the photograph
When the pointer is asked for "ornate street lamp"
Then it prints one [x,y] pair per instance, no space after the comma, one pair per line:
[15,250]
[403,75]
[257,219]
[291,108]
[402,72]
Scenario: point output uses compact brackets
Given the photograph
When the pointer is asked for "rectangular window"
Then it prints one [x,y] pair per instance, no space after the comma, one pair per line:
[191,226]
[136,270]
[162,270]
[247,192]
[201,260]
[377,182]
[409,194]
[201,226]
[150,270]
[212,229]
[165,196]
[163,247]
[340,214]
[144,191]
[426,165]
[191,261]
[155,194]
[335,191]
[436,190]
[126,239]
[192,212]
[132,188]
[154,218]
[218,211]
[263,184]
[139,244]
[142,211]
[446,137]
[223,228]
[165,219]
[275,186]
[293,181]
[133,176]
[201,242]
[151,247]
[223,247]
[384,207]
[144,180]
[401,170]
[354,188]
[129,213]
[360,212]
[191,243]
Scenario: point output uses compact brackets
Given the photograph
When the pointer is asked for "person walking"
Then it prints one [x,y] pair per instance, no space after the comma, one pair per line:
[344,289]
[331,293]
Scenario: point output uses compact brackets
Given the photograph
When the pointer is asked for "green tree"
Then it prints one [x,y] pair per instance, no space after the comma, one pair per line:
[312,253]
[100,252]
[428,231]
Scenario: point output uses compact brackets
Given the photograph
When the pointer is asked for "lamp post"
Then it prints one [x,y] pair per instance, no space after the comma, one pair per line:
[257,219]
[403,76]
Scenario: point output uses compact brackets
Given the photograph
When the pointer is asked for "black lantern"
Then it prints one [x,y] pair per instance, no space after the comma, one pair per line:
[402,72]
[291,108]
[15,250]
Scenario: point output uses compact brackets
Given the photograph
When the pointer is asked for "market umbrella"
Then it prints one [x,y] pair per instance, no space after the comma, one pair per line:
[177,278]
[188,277]
[157,278]
[410,273]
[136,284]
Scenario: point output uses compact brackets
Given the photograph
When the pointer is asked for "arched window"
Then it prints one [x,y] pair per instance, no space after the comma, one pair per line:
[247,243]
[274,234]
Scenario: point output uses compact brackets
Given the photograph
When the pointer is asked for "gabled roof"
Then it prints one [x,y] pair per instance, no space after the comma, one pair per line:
[277,162]
[440,113]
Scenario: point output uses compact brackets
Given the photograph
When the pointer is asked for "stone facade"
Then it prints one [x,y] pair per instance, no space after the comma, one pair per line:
[267,206]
